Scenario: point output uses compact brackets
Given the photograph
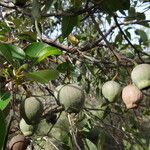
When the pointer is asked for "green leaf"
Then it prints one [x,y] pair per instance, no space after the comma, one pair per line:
[119,38]
[43,76]
[65,67]
[17,52]
[5,98]
[110,6]
[47,51]
[34,48]
[68,22]
[4,28]
[2,130]
[5,51]
[90,145]
[143,36]
[38,51]
[28,36]
[36,9]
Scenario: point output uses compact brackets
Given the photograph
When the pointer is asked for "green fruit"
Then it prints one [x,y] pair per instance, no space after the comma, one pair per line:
[71,96]
[140,76]
[25,128]
[31,110]
[131,96]
[111,90]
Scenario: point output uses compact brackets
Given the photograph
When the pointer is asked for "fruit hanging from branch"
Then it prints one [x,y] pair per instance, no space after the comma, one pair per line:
[31,110]
[71,96]
[111,90]
[25,128]
[131,96]
[140,76]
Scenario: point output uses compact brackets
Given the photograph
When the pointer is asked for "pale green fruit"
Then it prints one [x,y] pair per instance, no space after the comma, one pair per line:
[31,110]
[111,90]
[25,128]
[131,96]
[140,76]
[71,96]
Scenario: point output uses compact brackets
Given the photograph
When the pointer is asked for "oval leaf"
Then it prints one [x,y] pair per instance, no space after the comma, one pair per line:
[39,51]
[68,22]
[6,53]
[4,100]
[43,76]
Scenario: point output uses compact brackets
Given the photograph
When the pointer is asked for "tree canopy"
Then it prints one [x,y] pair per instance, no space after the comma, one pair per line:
[47,43]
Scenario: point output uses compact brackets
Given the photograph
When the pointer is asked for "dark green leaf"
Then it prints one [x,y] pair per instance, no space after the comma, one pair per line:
[118,38]
[5,51]
[4,100]
[68,22]
[38,51]
[143,36]
[110,6]
[36,9]
[28,36]
[2,130]
[43,76]
[4,28]
[65,67]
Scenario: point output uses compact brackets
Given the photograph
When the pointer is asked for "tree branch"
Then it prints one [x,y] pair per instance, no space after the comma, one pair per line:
[129,42]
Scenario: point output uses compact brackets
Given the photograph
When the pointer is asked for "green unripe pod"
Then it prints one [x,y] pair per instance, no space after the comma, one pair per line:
[31,110]
[71,96]
[25,128]
[111,90]
[140,76]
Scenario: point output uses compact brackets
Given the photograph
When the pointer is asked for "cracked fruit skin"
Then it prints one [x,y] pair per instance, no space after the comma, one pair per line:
[111,90]
[18,142]
[140,76]
[25,128]
[131,96]
[71,96]
[31,110]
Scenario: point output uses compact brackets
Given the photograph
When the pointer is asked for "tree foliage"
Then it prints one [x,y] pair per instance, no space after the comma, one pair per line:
[47,43]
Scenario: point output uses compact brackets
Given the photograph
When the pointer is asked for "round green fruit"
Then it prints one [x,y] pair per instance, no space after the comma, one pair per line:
[140,76]
[131,96]
[25,128]
[71,96]
[111,90]
[31,110]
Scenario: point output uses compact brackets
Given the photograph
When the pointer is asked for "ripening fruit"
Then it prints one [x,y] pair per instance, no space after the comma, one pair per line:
[111,90]
[71,96]
[18,142]
[131,96]
[25,128]
[31,110]
[73,40]
[140,76]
